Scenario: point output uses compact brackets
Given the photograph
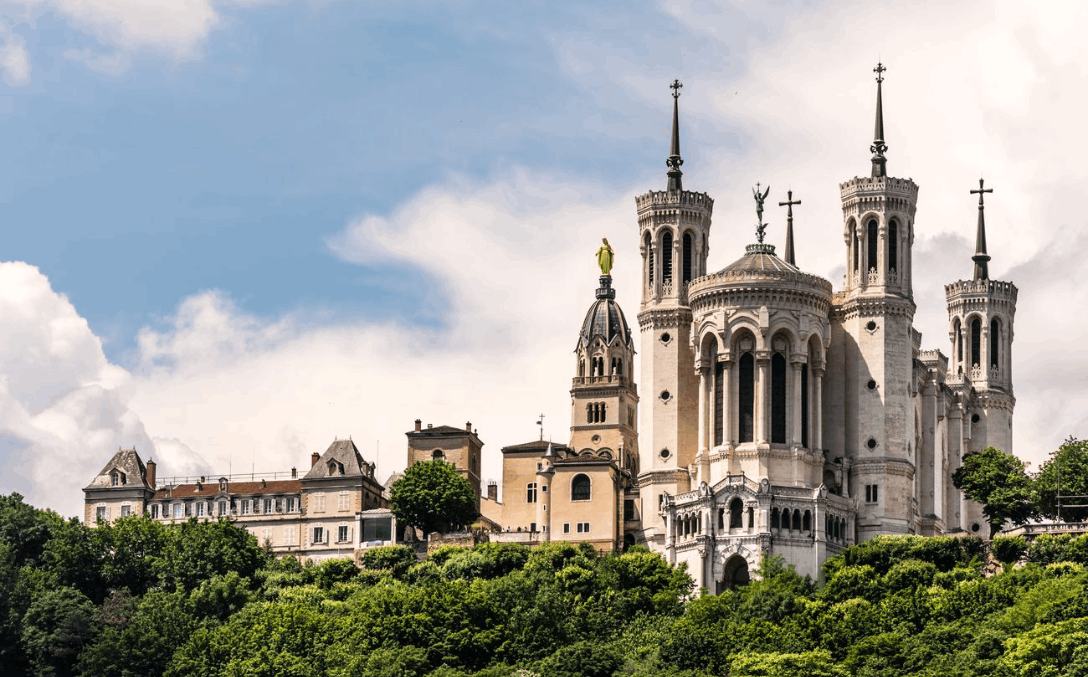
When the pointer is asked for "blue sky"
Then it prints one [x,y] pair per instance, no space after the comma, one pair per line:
[237,229]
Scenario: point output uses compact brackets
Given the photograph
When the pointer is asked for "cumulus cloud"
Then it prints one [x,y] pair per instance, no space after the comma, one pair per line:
[14,59]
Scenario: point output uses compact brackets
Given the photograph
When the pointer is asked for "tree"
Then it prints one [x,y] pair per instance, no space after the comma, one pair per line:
[999,482]
[433,496]
[1067,470]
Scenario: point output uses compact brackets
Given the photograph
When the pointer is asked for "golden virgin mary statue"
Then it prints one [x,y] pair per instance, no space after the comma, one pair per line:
[605,256]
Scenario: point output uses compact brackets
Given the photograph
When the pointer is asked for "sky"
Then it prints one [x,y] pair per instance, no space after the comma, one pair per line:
[236,230]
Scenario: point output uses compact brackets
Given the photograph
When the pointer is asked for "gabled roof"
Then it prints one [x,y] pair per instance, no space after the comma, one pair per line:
[345,459]
[442,431]
[540,446]
[128,462]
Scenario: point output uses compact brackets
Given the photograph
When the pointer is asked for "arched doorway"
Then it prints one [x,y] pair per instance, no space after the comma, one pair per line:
[736,573]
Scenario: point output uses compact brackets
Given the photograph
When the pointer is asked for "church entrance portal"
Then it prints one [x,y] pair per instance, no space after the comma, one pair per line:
[736,573]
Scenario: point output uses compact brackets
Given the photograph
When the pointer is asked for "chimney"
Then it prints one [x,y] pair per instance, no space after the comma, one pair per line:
[150,475]
[468,426]
[314,458]
[419,425]
[294,473]
[429,426]
[493,491]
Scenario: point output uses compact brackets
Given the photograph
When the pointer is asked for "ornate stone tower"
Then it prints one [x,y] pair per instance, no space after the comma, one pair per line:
[674,231]
[980,326]
[875,338]
[604,399]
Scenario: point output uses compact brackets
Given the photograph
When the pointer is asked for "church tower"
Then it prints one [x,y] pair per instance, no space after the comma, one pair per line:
[674,231]
[980,319]
[875,339]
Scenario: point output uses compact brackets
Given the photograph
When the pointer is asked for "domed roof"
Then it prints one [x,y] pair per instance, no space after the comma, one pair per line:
[604,318]
[760,259]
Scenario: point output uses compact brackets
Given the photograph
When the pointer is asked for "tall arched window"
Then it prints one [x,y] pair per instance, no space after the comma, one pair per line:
[649,261]
[796,524]
[580,488]
[806,521]
[666,256]
[976,342]
[719,385]
[893,246]
[736,509]
[604,409]
[957,330]
[874,242]
[995,342]
[804,405]
[854,244]
[778,398]
[689,255]
[589,413]
[745,400]
[774,518]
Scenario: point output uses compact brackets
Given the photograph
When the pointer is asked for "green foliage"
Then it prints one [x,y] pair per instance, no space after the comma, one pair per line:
[1066,468]
[582,659]
[1000,483]
[433,496]
[195,551]
[807,664]
[1009,549]
[394,558]
[1048,548]
[56,627]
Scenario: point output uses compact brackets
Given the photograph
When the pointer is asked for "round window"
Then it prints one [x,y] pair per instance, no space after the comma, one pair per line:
[871,384]
[666,396]
[666,337]
[871,443]
[665,453]
[975,527]
[974,418]
[871,326]
[596,438]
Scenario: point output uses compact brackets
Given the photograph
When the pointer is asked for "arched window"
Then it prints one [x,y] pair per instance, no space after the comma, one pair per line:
[581,368]
[689,254]
[751,517]
[604,412]
[976,342]
[721,518]
[580,488]
[589,413]
[804,405]
[666,256]
[745,401]
[806,521]
[649,261]
[874,242]
[736,508]
[893,246]
[774,518]
[778,398]
[855,244]
[719,386]
[995,334]
[436,455]
[785,524]
[796,520]
[957,331]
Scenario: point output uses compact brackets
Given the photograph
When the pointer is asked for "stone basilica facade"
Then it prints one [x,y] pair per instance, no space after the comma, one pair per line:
[781,416]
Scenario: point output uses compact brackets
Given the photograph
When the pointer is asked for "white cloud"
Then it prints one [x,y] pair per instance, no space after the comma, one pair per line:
[14,59]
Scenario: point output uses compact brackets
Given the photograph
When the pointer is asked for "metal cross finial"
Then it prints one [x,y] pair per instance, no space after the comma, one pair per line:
[879,70]
[980,192]
[540,423]
[788,204]
[675,87]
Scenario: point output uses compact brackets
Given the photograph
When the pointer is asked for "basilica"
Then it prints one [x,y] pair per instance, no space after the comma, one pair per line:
[777,415]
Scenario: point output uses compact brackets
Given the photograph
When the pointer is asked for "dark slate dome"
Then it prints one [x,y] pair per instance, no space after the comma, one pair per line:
[604,318]
[760,259]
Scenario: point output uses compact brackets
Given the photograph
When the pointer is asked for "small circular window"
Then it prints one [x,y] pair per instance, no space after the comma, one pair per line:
[666,396]
[974,418]
[871,443]
[596,438]
[871,326]
[975,527]
[665,453]
[666,337]
[871,384]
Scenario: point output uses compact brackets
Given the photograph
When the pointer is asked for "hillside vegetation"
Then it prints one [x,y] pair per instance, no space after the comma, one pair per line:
[140,598]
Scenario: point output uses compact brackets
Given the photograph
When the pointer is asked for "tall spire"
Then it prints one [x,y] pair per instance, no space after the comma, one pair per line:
[981,258]
[788,204]
[675,160]
[880,163]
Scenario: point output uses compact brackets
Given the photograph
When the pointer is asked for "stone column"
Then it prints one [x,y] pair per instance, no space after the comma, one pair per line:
[702,369]
[816,422]
[670,536]
[984,351]
[798,362]
[762,399]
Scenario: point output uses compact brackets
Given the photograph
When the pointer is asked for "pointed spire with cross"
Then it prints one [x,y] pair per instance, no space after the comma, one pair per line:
[788,204]
[880,163]
[675,161]
[981,258]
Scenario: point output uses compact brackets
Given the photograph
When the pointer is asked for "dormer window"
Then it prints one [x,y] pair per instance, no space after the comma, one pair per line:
[118,478]
[222,484]
[336,468]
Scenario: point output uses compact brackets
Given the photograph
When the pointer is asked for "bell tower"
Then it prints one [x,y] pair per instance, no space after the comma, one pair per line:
[980,319]
[674,232]
[878,340]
